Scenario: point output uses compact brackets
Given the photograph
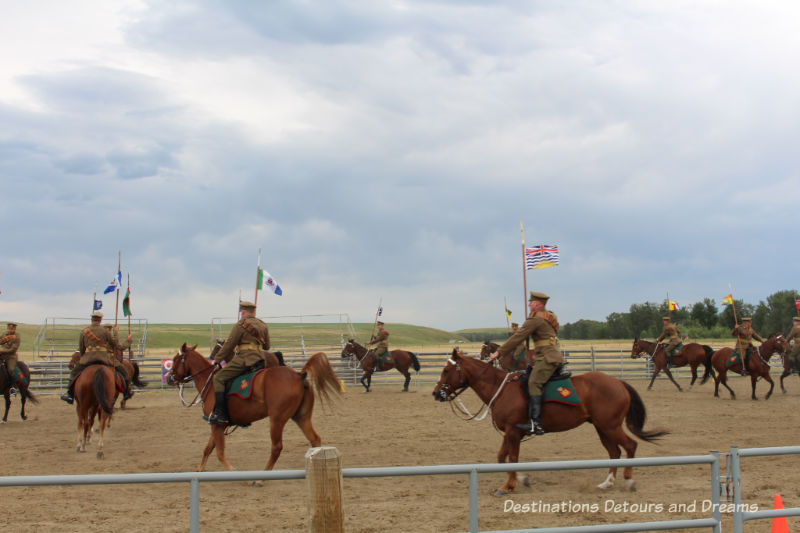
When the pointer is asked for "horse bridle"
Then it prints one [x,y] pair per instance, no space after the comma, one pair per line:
[450,393]
[186,379]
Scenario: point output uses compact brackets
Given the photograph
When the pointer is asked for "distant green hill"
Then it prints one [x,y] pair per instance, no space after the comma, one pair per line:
[482,334]
[168,336]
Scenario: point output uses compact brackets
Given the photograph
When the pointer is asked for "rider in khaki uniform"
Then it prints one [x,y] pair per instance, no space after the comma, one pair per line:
[96,345]
[241,350]
[794,355]
[9,344]
[541,326]
[381,338]
[671,331]
[744,334]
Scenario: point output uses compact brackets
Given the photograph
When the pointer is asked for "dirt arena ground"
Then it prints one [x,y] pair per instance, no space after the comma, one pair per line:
[388,428]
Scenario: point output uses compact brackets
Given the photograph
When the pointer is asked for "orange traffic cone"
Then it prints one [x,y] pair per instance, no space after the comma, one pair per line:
[779,524]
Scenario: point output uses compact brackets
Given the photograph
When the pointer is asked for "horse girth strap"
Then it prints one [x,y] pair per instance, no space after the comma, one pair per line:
[249,328]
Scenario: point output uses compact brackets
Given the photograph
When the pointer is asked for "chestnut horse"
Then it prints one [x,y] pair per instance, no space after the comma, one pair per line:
[606,402]
[279,393]
[24,392]
[401,360]
[692,354]
[506,362]
[95,392]
[131,367]
[758,365]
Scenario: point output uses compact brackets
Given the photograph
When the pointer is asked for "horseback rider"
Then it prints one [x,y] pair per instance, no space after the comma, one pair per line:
[671,331]
[541,326]
[96,345]
[8,353]
[118,354]
[794,355]
[745,334]
[381,338]
[243,349]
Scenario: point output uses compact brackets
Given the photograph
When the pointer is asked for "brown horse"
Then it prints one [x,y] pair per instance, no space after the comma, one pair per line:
[401,360]
[95,392]
[693,354]
[506,362]
[606,402]
[758,365]
[24,391]
[279,393]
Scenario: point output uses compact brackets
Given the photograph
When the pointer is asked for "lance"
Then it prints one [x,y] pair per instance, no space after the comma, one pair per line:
[258,280]
[508,325]
[119,269]
[524,274]
[375,322]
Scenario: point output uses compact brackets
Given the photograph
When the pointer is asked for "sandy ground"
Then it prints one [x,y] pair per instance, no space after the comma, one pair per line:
[388,428]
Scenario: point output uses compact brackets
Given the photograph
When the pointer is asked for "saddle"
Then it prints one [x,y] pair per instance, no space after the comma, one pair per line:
[18,375]
[559,374]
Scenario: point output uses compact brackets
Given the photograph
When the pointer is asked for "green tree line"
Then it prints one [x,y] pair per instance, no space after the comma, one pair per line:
[700,320]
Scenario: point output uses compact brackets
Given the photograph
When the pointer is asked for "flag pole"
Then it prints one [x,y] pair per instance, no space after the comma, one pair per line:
[375,322]
[733,305]
[129,303]
[505,304]
[669,307]
[119,269]
[94,298]
[524,274]
[258,279]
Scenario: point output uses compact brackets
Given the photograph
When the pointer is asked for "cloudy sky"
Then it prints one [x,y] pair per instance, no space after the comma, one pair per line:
[389,150]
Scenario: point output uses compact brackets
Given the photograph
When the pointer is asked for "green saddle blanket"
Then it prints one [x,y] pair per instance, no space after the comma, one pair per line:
[383,360]
[676,351]
[735,358]
[242,386]
[561,391]
[18,375]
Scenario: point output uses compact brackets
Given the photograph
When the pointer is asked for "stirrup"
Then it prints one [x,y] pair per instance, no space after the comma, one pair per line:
[67,397]
[218,419]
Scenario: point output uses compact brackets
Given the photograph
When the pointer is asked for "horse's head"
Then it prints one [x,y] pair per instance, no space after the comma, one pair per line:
[452,380]
[180,368]
[637,349]
[776,343]
[217,347]
[347,349]
[486,349]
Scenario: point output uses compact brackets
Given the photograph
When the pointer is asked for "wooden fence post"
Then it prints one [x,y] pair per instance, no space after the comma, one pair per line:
[324,487]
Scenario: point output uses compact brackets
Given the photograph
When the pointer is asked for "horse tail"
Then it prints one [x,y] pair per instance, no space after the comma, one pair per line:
[636,417]
[99,385]
[323,378]
[135,379]
[26,391]
[707,362]
[414,361]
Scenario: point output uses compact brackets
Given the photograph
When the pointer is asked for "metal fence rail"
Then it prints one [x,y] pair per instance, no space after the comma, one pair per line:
[472,470]
[47,375]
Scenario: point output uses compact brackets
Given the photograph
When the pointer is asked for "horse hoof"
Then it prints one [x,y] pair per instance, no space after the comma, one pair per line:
[526,480]
[101,455]
[257,484]
[500,492]
[630,485]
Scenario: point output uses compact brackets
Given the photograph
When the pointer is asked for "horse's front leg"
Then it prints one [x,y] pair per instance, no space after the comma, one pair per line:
[206,453]
[672,379]
[753,380]
[771,385]
[364,377]
[509,450]
[652,379]
[7,397]
[22,414]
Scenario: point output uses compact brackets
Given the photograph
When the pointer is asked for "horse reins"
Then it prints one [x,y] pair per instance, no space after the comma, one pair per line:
[463,408]
[201,393]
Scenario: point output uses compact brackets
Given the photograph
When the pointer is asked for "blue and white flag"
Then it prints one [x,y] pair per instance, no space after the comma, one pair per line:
[98,305]
[265,281]
[115,284]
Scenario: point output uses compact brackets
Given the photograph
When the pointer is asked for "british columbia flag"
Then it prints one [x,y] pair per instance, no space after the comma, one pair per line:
[542,256]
